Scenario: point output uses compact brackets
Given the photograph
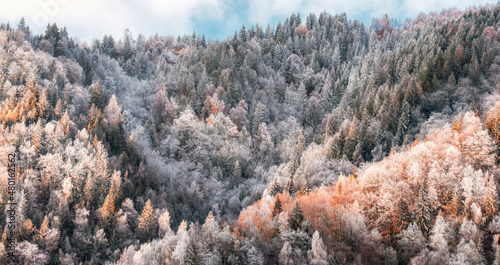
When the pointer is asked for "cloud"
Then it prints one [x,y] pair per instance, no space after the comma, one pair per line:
[88,19]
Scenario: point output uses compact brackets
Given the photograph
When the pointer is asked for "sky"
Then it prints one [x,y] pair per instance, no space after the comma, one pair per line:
[216,19]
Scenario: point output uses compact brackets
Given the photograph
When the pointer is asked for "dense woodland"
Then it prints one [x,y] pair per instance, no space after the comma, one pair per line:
[316,141]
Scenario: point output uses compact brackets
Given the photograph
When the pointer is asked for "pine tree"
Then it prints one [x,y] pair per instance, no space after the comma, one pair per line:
[317,254]
[402,218]
[42,232]
[37,137]
[454,207]
[88,192]
[290,187]
[296,217]
[493,125]
[304,190]
[43,105]
[457,125]
[58,110]
[497,256]
[403,123]
[190,258]
[66,123]
[97,98]
[277,208]
[108,208]
[274,188]
[333,260]
[423,212]
[164,224]
[351,140]
[94,119]
[148,225]
[490,200]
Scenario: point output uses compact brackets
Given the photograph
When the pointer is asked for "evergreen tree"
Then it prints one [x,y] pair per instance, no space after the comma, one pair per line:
[190,258]
[274,188]
[290,186]
[296,217]
[497,257]
[277,208]
[148,224]
[403,123]
[423,213]
[97,97]
[304,190]
[333,260]
[493,125]
[490,200]
[402,218]
[454,207]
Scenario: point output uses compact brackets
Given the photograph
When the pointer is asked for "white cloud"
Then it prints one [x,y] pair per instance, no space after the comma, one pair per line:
[94,18]
[90,19]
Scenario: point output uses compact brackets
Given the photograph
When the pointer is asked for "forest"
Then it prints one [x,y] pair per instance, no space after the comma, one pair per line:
[320,141]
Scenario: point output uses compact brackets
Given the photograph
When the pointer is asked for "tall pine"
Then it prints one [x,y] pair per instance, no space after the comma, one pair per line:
[423,212]
[148,225]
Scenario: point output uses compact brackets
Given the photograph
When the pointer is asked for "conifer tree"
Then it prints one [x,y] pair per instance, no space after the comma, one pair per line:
[37,137]
[108,208]
[490,200]
[304,190]
[493,125]
[423,213]
[402,218]
[97,98]
[333,260]
[277,208]
[290,188]
[296,217]
[190,258]
[497,257]
[457,125]
[274,188]
[148,225]
[454,207]
[94,119]
[403,123]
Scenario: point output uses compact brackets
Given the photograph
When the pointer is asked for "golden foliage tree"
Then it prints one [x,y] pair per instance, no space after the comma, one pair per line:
[493,125]
[148,225]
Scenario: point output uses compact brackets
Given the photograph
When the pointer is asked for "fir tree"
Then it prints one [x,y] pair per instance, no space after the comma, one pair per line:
[490,200]
[148,225]
[402,218]
[190,258]
[423,213]
[290,187]
[277,208]
[296,217]
[274,188]
[454,207]
[333,260]
[304,190]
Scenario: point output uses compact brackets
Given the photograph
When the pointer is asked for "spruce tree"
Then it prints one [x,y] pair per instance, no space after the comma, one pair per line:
[274,188]
[402,218]
[423,213]
[296,217]
[490,200]
[289,188]
[454,207]
[333,260]
[277,208]
[304,190]
[190,258]
[148,224]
